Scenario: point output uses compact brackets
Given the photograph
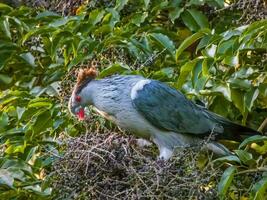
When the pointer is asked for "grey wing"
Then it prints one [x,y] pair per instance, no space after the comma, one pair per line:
[168,109]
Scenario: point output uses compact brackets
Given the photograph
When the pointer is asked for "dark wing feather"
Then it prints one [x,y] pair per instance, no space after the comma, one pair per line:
[168,109]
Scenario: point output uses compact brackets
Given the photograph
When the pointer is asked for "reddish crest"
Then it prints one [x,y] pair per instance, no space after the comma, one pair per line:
[85,74]
[84,77]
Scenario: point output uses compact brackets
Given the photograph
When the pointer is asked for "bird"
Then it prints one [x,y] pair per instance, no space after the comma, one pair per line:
[154,111]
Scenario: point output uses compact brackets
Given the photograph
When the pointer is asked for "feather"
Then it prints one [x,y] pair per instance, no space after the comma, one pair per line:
[169,110]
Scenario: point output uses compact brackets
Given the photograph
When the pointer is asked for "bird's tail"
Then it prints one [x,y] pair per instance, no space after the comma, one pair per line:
[232,131]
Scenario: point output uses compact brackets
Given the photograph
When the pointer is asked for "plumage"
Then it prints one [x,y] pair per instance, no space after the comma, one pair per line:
[153,110]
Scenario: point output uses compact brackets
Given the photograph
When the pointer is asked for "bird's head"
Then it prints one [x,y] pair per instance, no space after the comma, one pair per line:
[80,97]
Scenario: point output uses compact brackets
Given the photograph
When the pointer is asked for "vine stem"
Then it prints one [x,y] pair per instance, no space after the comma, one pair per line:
[259,169]
[263,125]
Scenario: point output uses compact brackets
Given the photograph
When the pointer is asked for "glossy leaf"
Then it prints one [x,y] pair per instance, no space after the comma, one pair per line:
[42,122]
[96,16]
[259,189]
[190,40]
[120,4]
[139,18]
[194,19]
[47,14]
[164,42]
[252,139]
[6,178]
[175,14]
[28,58]
[228,159]
[185,71]
[4,7]
[3,120]
[244,156]
[236,96]
[250,97]
[232,61]
[5,26]
[20,112]
[226,181]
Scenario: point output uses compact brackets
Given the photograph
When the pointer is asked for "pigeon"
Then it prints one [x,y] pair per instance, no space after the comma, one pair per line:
[154,111]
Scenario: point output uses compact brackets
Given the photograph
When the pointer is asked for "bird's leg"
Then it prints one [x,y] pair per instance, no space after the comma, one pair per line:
[143,142]
[164,152]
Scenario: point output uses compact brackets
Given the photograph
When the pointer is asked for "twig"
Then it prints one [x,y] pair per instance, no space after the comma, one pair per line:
[259,169]
[263,125]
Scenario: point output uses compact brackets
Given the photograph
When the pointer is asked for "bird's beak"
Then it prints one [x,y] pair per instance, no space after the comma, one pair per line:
[80,113]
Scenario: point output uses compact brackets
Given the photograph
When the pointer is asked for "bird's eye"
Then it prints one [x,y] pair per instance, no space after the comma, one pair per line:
[78,98]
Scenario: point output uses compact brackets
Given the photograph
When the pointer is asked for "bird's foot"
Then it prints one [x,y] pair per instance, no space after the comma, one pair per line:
[165,153]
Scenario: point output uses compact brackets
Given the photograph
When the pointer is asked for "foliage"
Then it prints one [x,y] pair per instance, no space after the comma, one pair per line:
[173,41]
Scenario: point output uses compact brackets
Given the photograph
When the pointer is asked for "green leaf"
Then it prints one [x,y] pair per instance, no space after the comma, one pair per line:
[221,89]
[226,46]
[57,38]
[174,14]
[4,79]
[38,190]
[237,99]
[190,40]
[42,122]
[242,84]
[115,68]
[40,102]
[228,159]
[252,139]
[232,61]
[17,164]
[200,18]
[185,70]
[59,22]
[37,31]
[259,189]
[250,98]
[194,19]
[120,4]
[146,2]
[6,8]
[4,25]
[20,112]
[47,14]
[205,67]
[5,176]
[30,152]
[219,3]
[96,16]
[226,181]
[18,147]
[3,120]
[195,2]
[211,51]
[28,58]
[139,18]
[189,21]
[244,156]
[165,42]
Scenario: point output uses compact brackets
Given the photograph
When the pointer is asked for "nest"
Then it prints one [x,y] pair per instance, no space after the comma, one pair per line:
[114,166]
